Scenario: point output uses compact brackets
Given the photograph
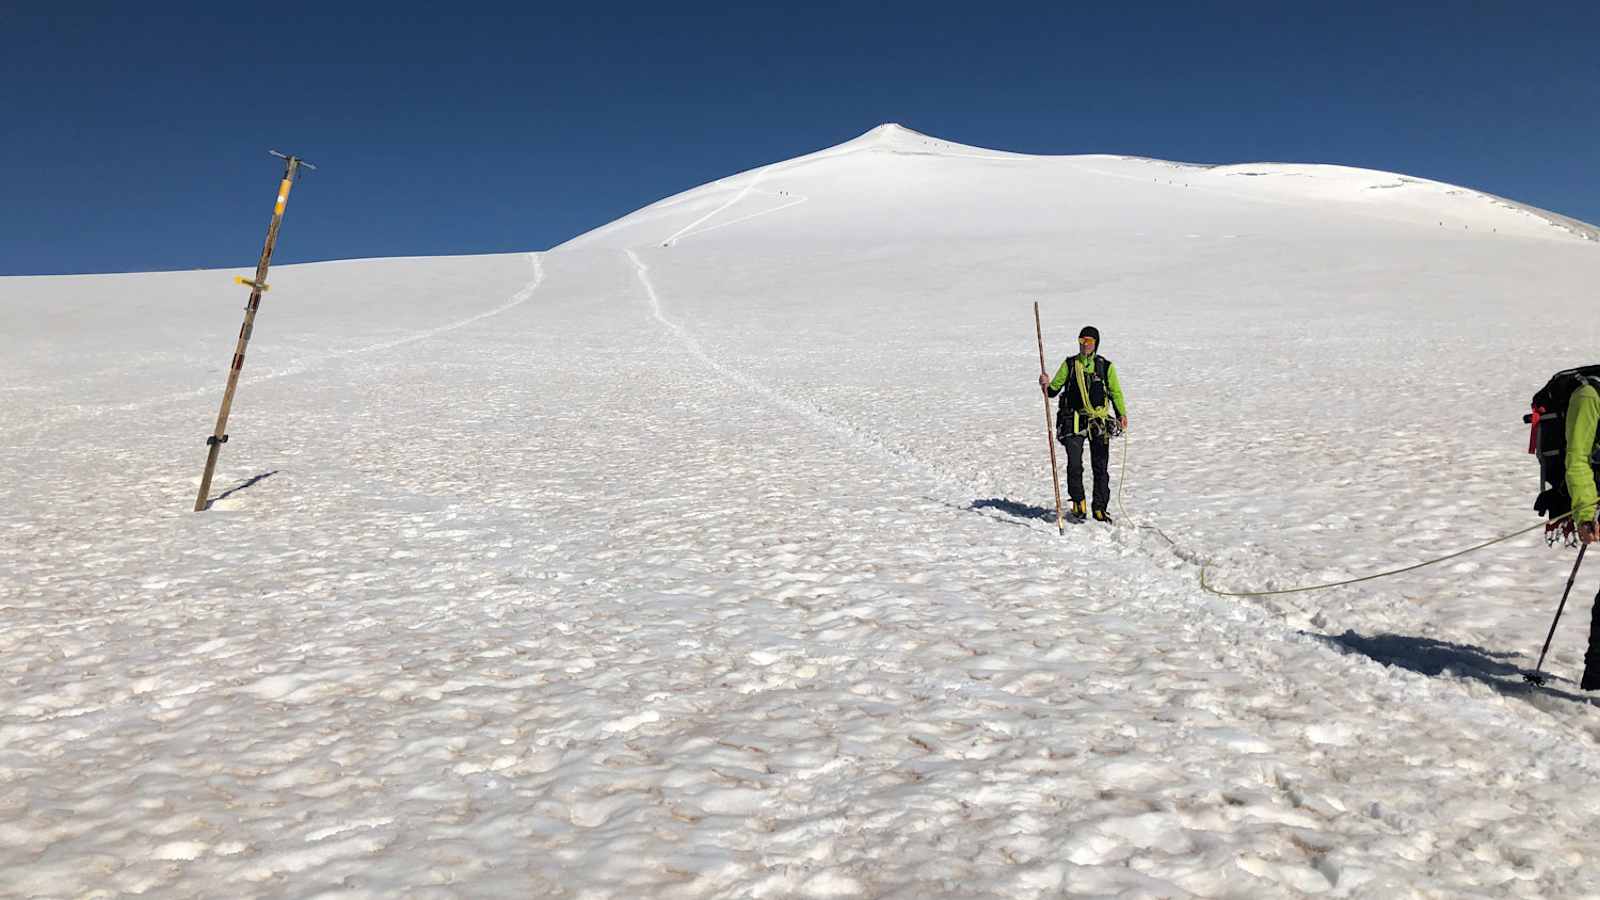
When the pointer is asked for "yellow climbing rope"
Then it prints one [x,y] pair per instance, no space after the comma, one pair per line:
[1098,415]
[1373,577]
[1206,586]
[1122,478]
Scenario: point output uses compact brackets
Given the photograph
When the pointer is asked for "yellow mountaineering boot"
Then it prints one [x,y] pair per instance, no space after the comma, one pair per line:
[1080,510]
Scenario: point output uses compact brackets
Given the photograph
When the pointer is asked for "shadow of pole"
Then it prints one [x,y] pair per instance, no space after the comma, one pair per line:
[251,482]
[1015,509]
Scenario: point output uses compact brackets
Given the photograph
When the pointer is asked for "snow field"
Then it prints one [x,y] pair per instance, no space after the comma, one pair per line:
[721,569]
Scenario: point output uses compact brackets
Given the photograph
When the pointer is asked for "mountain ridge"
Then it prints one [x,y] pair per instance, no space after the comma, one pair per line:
[1413,198]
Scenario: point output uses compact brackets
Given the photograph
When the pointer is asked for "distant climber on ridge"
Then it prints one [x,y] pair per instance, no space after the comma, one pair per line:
[1092,408]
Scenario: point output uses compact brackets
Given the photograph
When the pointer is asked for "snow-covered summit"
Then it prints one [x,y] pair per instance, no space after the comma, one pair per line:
[872,181]
[892,137]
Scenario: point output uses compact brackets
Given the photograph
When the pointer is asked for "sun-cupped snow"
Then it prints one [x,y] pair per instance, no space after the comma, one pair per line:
[713,553]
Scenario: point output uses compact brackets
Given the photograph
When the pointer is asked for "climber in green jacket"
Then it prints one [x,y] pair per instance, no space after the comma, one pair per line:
[1583,415]
[1092,409]
[1583,418]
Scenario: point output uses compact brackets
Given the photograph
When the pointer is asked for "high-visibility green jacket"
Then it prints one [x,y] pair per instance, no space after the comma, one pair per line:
[1583,415]
[1099,376]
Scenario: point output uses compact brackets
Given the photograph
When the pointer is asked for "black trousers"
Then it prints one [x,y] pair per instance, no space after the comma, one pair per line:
[1100,456]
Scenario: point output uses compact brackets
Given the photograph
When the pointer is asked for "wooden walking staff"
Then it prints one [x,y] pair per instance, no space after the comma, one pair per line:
[258,286]
[1049,427]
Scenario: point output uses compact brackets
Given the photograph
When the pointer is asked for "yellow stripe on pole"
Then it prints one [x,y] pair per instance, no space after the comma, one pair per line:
[283,195]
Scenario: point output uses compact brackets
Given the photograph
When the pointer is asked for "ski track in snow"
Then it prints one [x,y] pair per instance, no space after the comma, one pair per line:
[755,215]
[810,413]
[743,193]
[77,413]
[517,299]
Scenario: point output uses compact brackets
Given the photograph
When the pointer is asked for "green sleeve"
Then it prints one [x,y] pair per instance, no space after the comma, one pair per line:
[1116,389]
[1060,381]
[1583,414]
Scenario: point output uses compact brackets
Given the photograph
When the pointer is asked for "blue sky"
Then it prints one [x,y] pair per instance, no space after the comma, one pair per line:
[137,140]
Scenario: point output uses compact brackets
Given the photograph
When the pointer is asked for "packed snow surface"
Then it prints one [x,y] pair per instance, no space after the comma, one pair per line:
[713,553]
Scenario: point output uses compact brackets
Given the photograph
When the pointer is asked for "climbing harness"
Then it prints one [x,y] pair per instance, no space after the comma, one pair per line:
[1100,418]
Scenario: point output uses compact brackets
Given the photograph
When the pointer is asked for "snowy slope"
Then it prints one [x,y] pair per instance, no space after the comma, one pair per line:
[1339,191]
[706,555]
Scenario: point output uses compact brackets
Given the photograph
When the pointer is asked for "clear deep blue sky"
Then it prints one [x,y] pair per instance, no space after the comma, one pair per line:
[137,141]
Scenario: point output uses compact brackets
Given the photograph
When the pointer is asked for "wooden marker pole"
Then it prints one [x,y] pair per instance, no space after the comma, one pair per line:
[1049,427]
[258,286]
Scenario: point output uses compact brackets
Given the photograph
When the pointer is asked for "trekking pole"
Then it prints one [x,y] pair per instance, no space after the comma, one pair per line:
[291,167]
[1536,677]
[1049,427]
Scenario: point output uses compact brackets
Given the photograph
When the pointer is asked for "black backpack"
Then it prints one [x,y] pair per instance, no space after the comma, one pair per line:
[1547,438]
